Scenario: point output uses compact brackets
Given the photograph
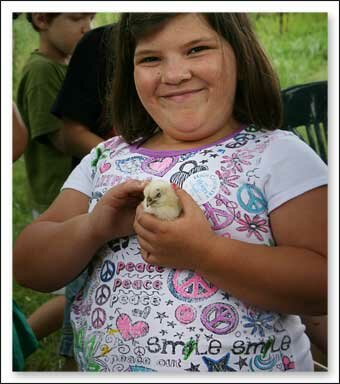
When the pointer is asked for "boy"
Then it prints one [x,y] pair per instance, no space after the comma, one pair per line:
[46,165]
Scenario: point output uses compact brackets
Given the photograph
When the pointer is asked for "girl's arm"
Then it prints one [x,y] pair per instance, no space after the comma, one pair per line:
[289,278]
[59,244]
[56,247]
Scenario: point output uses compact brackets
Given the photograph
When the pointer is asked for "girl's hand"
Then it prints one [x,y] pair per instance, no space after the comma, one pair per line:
[180,243]
[113,215]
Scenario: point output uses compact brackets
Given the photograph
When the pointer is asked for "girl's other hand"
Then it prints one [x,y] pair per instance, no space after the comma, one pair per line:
[181,243]
[113,215]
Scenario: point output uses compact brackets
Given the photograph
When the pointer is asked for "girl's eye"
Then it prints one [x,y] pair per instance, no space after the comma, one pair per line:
[149,59]
[198,49]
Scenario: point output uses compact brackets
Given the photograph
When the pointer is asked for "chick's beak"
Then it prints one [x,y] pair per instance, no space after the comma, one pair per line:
[149,201]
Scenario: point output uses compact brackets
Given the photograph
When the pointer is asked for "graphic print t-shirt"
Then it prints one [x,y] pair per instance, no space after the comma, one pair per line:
[134,316]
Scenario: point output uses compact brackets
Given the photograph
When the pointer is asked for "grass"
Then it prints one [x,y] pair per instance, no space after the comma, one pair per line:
[299,55]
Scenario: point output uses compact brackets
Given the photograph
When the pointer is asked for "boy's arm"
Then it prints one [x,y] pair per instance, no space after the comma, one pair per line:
[57,139]
[20,134]
[78,139]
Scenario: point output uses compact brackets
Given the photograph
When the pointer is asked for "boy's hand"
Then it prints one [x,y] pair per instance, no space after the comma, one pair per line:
[113,215]
[180,243]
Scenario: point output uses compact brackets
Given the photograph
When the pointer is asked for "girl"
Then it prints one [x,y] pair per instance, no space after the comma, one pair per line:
[196,103]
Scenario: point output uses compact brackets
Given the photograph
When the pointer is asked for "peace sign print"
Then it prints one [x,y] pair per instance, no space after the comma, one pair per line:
[102,294]
[98,318]
[240,139]
[107,272]
[189,286]
[251,199]
[220,318]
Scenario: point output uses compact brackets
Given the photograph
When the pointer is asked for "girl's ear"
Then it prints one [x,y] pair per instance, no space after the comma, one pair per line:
[40,21]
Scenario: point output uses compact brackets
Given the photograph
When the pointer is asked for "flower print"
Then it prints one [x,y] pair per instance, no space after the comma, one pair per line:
[258,322]
[228,178]
[237,159]
[253,226]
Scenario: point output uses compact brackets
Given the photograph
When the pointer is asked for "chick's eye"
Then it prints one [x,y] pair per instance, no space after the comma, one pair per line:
[158,195]
[198,49]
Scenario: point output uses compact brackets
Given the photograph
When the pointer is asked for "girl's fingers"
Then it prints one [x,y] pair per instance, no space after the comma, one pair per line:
[144,245]
[188,203]
[151,223]
[139,211]
[143,232]
[130,188]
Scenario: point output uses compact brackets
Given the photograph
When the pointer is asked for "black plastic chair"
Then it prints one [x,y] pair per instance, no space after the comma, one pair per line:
[305,114]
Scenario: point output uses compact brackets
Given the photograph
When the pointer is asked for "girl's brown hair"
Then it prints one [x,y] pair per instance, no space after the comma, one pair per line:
[257,99]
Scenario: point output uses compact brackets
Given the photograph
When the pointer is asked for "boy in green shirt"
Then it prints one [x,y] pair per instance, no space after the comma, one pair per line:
[46,163]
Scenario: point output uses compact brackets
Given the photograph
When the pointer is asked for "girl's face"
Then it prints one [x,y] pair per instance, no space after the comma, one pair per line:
[185,76]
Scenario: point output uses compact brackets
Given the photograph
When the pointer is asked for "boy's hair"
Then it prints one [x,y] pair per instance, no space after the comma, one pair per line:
[258,96]
[49,16]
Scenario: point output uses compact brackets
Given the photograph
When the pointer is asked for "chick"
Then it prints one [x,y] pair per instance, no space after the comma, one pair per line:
[161,200]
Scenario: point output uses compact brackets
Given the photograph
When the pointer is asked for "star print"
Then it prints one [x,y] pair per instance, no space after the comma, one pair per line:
[225,295]
[117,310]
[204,161]
[163,332]
[241,362]
[220,365]
[161,316]
[191,328]
[193,368]
[201,330]
[206,151]
[171,324]
[179,335]
[213,155]
[209,337]
[108,326]
[169,302]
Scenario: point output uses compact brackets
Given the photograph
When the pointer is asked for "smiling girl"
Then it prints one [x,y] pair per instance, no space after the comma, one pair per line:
[196,103]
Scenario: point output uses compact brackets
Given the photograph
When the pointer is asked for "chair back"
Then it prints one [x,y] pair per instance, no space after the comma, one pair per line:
[305,114]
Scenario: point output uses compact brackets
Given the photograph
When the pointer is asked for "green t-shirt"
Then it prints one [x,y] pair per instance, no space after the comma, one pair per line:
[47,168]
[24,340]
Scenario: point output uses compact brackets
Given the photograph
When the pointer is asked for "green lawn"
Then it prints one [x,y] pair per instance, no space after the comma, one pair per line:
[299,54]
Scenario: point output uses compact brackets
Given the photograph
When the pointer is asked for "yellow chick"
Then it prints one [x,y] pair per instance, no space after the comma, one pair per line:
[161,200]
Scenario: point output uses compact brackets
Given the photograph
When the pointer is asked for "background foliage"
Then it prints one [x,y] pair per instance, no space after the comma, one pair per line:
[297,46]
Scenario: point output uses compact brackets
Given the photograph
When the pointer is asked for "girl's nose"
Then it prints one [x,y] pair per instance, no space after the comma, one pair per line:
[175,72]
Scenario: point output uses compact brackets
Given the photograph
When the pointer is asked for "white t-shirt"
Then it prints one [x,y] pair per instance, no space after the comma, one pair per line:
[133,316]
